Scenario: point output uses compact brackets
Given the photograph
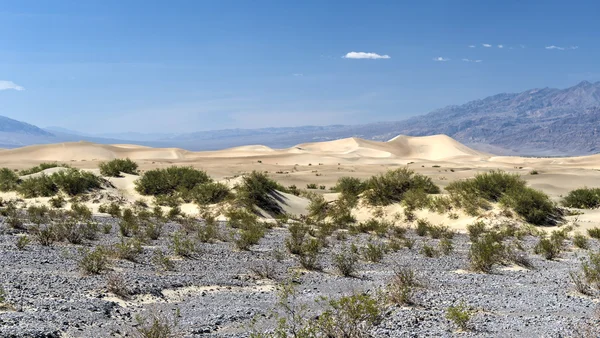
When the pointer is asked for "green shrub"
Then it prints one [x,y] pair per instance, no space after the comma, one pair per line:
[318,207]
[491,186]
[45,235]
[311,186]
[80,212]
[373,252]
[57,202]
[170,181]
[113,209]
[584,198]
[402,287]
[533,205]
[591,269]
[162,260]
[182,246]
[345,262]
[391,187]
[475,230]
[429,251]
[41,167]
[594,233]
[248,235]
[485,252]
[157,326]
[257,189]
[9,180]
[40,186]
[115,167]
[581,241]
[294,241]
[423,227]
[350,316]
[309,254]
[22,242]
[128,249]
[95,261]
[349,186]
[74,182]
[445,246]
[459,315]
[547,247]
[210,193]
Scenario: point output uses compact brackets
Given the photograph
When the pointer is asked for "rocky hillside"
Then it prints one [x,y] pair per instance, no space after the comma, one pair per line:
[537,122]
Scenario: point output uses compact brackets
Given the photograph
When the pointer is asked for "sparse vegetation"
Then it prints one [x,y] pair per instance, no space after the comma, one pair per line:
[95,261]
[115,167]
[345,262]
[402,287]
[460,315]
[485,252]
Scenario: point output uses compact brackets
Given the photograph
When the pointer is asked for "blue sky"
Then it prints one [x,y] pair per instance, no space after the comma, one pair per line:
[182,66]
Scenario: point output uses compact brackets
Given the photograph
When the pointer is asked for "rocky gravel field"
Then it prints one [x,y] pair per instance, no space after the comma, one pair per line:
[221,291]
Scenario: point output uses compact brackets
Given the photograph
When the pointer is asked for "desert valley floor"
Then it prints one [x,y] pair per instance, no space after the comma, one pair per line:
[220,290]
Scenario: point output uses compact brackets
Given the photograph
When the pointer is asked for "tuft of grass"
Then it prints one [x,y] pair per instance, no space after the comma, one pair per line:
[373,252]
[402,287]
[445,246]
[182,246]
[591,269]
[157,326]
[115,167]
[345,262]
[485,252]
[116,284]
[581,241]
[429,251]
[162,260]
[22,242]
[93,262]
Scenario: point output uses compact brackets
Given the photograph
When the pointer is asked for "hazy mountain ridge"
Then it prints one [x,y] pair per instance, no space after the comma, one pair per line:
[544,121]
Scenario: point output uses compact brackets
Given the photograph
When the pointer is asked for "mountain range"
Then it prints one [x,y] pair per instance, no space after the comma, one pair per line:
[536,122]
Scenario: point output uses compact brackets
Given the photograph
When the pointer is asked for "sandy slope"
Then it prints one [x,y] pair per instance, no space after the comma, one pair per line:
[322,163]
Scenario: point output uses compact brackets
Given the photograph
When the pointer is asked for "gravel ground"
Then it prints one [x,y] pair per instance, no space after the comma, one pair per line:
[217,295]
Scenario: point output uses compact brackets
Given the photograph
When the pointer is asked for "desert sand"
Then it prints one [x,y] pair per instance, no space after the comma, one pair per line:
[322,163]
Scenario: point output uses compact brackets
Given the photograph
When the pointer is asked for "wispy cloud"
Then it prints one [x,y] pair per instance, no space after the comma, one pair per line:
[298,74]
[471,46]
[500,46]
[561,48]
[363,55]
[6,85]
[441,59]
[469,60]
[486,45]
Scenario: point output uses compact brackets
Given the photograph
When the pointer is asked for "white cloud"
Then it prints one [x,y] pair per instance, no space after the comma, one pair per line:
[5,85]
[298,74]
[500,46]
[561,48]
[363,55]
[469,60]
[486,45]
[471,46]
[440,59]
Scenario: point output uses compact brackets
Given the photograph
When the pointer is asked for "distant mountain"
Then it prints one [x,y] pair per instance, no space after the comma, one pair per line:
[539,122]
[543,121]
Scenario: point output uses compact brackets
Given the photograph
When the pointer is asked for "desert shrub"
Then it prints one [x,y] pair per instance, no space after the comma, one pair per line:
[591,269]
[547,247]
[170,181]
[95,261]
[294,241]
[485,252]
[429,251]
[350,316]
[490,186]
[318,207]
[128,249]
[475,230]
[373,252]
[57,202]
[309,254]
[157,326]
[153,229]
[248,235]
[210,193]
[80,212]
[584,198]
[345,262]
[9,180]
[533,205]
[257,189]
[238,218]
[22,242]
[116,284]
[440,231]
[391,187]
[311,186]
[113,209]
[460,315]
[373,225]
[182,246]
[415,200]
[594,233]
[38,214]
[423,227]
[115,167]
[162,260]
[349,186]
[340,212]
[402,287]
[263,269]
[129,223]
[581,241]
[40,186]
[74,182]
[445,246]
[41,167]
[580,283]
[45,235]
